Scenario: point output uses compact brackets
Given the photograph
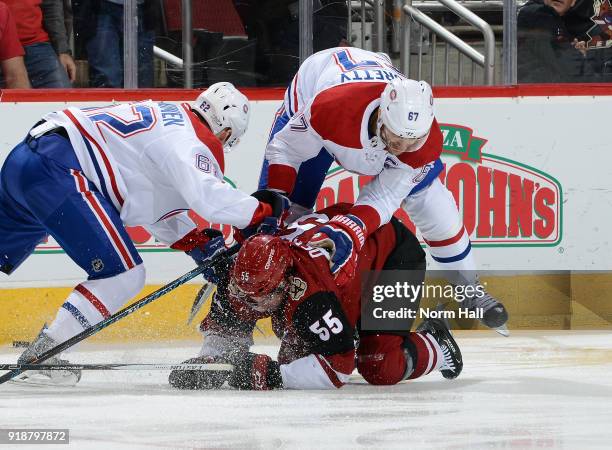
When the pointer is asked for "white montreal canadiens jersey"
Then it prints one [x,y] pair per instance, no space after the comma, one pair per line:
[330,102]
[153,162]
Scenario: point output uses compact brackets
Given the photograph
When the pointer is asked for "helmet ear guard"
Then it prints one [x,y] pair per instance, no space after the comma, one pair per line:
[406,109]
[223,106]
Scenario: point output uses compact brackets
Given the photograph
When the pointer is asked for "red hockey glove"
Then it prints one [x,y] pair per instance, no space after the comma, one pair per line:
[203,246]
[256,372]
[343,236]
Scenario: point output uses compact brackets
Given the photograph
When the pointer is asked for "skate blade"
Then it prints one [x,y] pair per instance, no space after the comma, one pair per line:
[39,379]
[503,330]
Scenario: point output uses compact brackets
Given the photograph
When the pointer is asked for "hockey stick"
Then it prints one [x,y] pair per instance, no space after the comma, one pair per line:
[200,298]
[144,366]
[121,314]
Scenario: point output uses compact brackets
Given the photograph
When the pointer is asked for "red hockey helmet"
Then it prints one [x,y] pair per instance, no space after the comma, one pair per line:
[261,265]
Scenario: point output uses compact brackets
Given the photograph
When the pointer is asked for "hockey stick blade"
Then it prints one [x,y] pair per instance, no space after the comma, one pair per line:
[143,366]
[121,314]
[201,297]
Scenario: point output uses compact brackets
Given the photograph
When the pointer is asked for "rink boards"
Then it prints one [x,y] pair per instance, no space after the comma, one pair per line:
[529,167]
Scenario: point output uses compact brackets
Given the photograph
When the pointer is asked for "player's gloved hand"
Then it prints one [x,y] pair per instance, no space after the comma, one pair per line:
[199,379]
[210,244]
[269,224]
[295,212]
[343,236]
[256,372]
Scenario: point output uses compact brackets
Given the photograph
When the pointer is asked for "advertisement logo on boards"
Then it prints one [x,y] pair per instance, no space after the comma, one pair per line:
[503,202]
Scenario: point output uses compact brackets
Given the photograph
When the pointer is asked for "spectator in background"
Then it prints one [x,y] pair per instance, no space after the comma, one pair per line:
[11,53]
[547,51]
[589,21]
[41,61]
[275,26]
[99,23]
[57,17]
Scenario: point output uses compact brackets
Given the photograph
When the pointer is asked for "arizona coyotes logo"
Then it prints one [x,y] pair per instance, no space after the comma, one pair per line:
[297,288]
[601,32]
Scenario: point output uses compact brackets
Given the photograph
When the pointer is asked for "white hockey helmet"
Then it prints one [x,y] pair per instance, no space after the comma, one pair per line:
[406,108]
[223,106]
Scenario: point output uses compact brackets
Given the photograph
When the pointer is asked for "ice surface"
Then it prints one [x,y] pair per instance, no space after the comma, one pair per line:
[532,390]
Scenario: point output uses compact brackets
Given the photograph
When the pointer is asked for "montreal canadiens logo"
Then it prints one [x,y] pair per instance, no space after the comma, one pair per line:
[393,94]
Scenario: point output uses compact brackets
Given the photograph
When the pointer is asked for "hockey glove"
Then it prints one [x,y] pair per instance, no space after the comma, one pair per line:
[256,372]
[199,379]
[207,244]
[343,236]
[279,204]
[277,200]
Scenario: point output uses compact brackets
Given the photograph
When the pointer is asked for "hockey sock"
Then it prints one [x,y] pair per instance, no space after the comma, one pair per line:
[423,354]
[94,300]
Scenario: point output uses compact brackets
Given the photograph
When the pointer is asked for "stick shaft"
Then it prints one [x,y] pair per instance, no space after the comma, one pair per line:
[120,314]
[143,366]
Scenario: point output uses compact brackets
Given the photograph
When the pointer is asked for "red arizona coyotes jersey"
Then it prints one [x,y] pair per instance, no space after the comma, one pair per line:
[316,323]
[329,102]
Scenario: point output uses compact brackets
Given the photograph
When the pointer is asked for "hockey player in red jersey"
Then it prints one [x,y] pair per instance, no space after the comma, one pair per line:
[83,175]
[316,320]
[352,106]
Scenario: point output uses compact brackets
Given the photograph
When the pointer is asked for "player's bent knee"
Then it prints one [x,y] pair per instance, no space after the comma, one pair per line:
[381,359]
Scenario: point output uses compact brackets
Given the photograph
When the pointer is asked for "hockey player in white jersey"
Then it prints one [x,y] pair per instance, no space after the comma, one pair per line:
[352,106]
[82,175]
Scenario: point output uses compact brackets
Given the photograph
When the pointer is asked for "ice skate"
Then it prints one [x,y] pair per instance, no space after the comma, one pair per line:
[492,312]
[41,344]
[453,362]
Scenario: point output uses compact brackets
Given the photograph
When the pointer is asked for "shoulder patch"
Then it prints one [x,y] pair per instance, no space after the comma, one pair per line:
[297,288]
